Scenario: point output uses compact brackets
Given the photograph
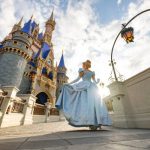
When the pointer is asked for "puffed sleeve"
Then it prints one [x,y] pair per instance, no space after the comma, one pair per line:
[80,70]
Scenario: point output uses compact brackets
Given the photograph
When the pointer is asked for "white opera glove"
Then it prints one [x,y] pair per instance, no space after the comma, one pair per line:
[96,82]
[76,80]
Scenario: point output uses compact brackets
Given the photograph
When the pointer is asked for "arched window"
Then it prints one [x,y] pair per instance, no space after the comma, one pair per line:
[44,71]
[51,75]
[42,98]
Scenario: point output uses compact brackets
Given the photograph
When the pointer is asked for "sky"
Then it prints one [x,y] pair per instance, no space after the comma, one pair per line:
[86,29]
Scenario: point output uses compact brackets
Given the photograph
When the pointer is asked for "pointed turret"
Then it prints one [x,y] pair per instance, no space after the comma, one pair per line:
[17,26]
[50,26]
[51,20]
[27,27]
[61,75]
[52,16]
[35,29]
[40,36]
[20,22]
[62,63]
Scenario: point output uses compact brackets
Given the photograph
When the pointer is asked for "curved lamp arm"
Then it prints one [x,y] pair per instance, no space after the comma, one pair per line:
[117,38]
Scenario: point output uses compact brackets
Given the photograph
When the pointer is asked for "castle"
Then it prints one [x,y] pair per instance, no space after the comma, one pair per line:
[27,63]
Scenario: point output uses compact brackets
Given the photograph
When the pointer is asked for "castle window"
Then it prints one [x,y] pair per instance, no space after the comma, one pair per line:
[50,75]
[49,61]
[10,49]
[25,55]
[21,32]
[44,71]
[26,47]
[15,42]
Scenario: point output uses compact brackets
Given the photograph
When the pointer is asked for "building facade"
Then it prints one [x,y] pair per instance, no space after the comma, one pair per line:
[27,62]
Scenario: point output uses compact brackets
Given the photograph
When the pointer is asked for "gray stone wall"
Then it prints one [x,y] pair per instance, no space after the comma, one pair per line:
[11,69]
[21,36]
[20,45]
[25,85]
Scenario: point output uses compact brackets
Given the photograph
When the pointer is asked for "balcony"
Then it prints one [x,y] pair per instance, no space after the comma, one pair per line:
[47,81]
[39,109]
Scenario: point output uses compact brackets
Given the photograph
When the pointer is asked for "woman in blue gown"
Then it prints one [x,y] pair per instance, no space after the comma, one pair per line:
[81,103]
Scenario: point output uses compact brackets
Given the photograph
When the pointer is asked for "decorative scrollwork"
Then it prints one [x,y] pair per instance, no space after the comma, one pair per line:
[17,107]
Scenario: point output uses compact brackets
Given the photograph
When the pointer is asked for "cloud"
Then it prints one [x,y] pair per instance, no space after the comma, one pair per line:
[79,33]
[119,2]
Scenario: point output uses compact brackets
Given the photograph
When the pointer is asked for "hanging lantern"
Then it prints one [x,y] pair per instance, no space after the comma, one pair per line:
[127,34]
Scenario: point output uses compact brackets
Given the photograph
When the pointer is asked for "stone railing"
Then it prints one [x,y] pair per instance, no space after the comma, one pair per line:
[54,111]
[46,80]
[131,101]
[16,109]
[39,109]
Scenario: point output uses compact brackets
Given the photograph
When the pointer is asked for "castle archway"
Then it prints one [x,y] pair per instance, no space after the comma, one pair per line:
[42,98]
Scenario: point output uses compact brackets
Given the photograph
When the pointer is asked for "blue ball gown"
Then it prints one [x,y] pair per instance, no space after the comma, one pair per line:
[81,103]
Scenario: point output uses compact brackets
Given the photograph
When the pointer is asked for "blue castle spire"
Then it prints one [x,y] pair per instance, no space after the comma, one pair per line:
[27,27]
[33,25]
[40,36]
[61,63]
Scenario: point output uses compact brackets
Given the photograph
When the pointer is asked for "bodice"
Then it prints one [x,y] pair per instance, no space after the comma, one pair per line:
[87,75]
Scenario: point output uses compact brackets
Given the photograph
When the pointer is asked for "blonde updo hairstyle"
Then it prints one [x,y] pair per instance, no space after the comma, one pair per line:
[88,64]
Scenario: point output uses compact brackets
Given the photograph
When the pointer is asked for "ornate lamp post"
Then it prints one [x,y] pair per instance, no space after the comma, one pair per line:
[127,34]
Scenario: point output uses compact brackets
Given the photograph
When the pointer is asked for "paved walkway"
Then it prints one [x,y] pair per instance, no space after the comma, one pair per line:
[60,136]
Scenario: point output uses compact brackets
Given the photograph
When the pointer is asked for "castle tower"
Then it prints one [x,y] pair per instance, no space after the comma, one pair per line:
[32,28]
[17,26]
[50,26]
[61,75]
[14,55]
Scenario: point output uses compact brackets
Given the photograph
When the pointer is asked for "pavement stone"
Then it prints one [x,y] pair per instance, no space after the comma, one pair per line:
[61,136]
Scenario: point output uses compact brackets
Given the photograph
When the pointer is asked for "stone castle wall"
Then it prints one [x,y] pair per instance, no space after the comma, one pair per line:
[130,101]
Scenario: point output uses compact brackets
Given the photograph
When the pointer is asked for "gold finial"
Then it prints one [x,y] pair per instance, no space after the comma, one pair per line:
[62,51]
[19,23]
[52,14]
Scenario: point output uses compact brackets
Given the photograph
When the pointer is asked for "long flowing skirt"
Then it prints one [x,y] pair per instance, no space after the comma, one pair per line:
[82,105]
